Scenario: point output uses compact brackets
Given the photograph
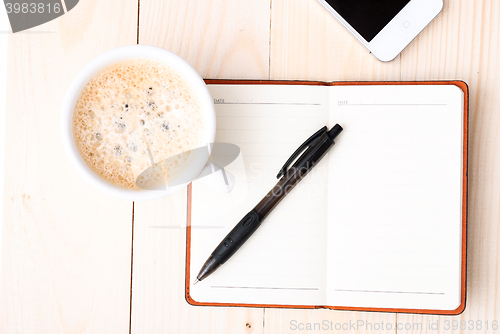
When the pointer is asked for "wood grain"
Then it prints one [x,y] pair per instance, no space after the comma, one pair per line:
[66,260]
[66,247]
[464,43]
[220,39]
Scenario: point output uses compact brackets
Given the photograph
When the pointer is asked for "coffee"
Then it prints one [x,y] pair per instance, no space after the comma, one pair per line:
[132,113]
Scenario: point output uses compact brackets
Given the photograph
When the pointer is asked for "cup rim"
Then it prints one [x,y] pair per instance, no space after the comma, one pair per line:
[92,68]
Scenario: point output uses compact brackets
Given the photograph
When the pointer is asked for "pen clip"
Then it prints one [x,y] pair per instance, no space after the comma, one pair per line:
[309,142]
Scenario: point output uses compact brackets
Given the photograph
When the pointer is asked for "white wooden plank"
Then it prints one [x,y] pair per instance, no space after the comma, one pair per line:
[66,247]
[220,39]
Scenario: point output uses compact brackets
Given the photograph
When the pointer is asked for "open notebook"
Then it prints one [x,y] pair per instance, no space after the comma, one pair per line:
[378,224]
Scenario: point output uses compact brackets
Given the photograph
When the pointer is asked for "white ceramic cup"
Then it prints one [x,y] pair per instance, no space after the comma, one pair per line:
[135,52]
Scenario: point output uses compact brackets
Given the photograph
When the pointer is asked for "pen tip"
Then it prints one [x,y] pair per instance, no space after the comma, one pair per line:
[196,281]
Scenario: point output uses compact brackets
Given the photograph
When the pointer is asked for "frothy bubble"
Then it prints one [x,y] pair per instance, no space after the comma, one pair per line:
[129,108]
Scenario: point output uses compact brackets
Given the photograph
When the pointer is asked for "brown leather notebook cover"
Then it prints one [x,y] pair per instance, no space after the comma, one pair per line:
[463,86]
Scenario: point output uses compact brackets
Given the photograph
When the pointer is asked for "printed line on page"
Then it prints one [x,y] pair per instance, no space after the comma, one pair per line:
[271,103]
[259,288]
[404,292]
[392,104]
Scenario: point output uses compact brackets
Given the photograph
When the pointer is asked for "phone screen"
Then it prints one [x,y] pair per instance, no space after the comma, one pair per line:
[368,17]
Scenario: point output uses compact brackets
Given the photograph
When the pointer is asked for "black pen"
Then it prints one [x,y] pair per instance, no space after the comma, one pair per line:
[314,149]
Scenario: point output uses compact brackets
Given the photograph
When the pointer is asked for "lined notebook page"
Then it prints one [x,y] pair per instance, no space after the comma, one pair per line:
[284,262]
[395,197]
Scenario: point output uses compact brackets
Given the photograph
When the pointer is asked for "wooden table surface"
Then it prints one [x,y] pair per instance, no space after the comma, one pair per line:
[78,261]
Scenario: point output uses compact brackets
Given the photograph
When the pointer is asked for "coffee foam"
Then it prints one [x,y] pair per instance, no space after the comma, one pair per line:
[131,110]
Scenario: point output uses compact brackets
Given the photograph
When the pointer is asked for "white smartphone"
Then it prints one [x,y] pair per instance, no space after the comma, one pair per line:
[385,27]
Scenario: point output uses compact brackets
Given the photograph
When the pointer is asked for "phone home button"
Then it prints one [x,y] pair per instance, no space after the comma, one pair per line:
[407,24]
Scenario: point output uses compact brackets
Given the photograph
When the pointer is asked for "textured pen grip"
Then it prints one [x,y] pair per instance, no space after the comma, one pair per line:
[237,237]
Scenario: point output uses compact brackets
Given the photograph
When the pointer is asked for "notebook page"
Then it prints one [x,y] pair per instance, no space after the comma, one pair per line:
[284,262]
[395,197]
